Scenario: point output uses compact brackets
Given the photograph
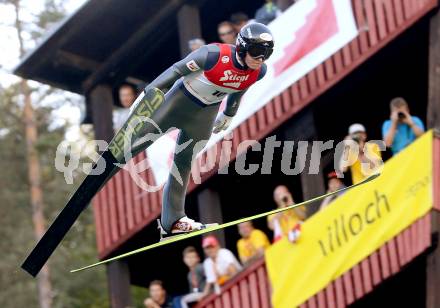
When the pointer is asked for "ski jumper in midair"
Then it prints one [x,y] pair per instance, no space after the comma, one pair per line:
[198,84]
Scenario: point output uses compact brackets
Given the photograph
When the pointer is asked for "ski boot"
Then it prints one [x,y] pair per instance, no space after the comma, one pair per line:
[184,225]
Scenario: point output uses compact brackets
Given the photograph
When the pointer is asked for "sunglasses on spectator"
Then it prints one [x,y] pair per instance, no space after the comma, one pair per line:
[226,33]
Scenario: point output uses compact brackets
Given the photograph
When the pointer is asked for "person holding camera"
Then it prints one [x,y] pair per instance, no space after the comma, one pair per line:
[402,128]
[365,160]
[285,223]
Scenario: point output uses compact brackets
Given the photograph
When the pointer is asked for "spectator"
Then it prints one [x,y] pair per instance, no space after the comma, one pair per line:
[195,44]
[402,128]
[268,12]
[334,184]
[285,4]
[239,20]
[252,244]
[368,159]
[220,264]
[127,96]
[196,278]
[226,32]
[288,221]
[158,296]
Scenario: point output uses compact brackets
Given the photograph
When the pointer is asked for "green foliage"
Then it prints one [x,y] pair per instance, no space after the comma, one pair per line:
[17,289]
[138,295]
[53,12]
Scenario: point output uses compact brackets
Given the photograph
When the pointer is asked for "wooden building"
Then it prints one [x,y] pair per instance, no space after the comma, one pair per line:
[396,54]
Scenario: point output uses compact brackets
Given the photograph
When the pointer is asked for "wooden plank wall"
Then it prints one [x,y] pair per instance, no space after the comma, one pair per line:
[121,209]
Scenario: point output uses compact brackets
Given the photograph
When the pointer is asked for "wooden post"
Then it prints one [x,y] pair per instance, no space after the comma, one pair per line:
[188,25]
[433,116]
[284,4]
[433,266]
[118,277]
[118,274]
[312,184]
[304,129]
[210,210]
[100,100]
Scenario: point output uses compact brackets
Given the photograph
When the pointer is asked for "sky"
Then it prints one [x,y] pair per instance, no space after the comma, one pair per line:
[9,58]
[9,46]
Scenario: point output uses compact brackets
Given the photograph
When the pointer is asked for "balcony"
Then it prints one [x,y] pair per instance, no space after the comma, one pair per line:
[121,209]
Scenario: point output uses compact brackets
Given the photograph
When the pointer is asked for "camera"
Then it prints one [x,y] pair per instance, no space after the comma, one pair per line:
[401,115]
[356,137]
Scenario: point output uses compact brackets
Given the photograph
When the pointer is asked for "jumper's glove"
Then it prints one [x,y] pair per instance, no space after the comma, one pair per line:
[221,122]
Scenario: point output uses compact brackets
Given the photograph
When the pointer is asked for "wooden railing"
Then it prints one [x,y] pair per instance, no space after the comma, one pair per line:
[251,288]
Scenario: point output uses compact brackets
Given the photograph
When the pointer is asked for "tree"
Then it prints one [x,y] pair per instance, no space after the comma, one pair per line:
[28,145]
[18,289]
[36,194]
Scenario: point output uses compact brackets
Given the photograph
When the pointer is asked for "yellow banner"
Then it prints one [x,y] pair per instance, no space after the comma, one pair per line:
[352,227]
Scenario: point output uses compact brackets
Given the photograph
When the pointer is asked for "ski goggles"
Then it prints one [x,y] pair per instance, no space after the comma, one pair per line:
[260,51]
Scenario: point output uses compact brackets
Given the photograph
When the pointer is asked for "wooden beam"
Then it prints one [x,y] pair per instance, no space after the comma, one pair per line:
[433,115]
[118,276]
[312,184]
[188,21]
[76,61]
[129,66]
[69,27]
[303,128]
[131,44]
[210,210]
[285,4]
[101,103]
[59,85]
[134,80]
